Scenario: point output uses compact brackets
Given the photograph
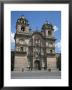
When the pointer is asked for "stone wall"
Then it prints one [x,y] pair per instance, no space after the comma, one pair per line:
[21,63]
[51,63]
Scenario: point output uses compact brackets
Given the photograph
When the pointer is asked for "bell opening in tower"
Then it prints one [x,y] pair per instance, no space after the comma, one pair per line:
[23,28]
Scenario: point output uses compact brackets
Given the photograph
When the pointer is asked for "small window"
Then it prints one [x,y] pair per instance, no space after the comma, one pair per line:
[49,33]
[21,48]
[51,44]
[50,51]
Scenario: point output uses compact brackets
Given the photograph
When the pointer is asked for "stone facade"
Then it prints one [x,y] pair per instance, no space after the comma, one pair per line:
[34,50]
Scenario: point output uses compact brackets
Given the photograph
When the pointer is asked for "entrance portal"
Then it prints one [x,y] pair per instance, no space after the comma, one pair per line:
[37,65]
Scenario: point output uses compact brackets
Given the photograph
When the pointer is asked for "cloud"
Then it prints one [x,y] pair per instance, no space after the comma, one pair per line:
[55,28]
[58,45]
[12,37]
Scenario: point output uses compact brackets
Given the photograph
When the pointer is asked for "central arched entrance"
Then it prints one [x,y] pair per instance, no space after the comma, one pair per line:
[37,65]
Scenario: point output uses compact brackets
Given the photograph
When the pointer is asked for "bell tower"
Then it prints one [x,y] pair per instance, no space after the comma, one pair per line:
[22,25]
[47,29]
[48,33]
[21,44]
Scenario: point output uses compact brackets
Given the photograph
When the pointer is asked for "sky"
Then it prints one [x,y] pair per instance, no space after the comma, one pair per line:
[36,19]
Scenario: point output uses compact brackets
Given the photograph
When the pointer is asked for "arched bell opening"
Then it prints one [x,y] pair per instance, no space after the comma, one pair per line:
[23,28]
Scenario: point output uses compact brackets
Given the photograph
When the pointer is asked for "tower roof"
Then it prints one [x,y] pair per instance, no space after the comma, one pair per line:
[46,25]
[22,20]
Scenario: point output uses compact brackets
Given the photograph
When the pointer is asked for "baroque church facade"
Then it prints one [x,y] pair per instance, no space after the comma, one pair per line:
[34,50]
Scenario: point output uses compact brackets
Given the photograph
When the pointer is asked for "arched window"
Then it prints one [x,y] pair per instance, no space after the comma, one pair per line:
[21,48]
[50,51]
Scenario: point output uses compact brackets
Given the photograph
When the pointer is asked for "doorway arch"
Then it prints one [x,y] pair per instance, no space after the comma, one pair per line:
[37,65]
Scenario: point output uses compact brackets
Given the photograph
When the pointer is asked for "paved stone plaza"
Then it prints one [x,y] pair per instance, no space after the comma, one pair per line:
[36,75]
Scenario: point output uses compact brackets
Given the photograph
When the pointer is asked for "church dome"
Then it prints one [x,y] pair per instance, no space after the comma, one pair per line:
[22,20]
[47,26]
